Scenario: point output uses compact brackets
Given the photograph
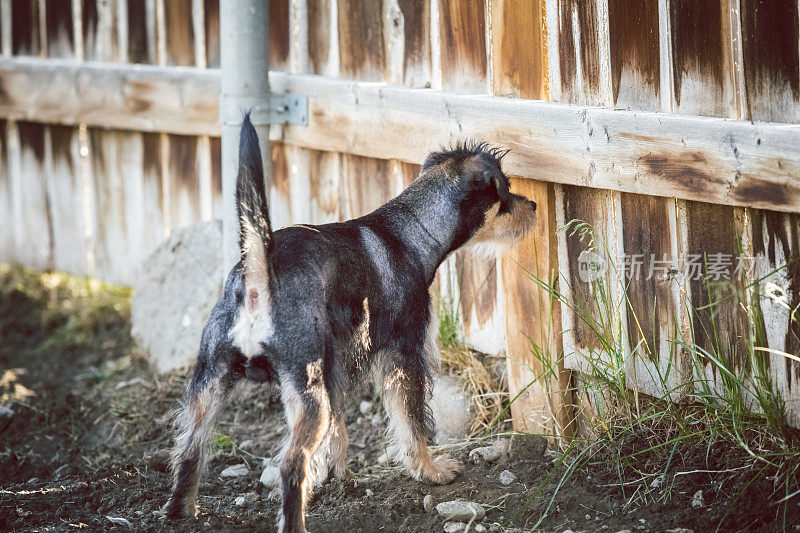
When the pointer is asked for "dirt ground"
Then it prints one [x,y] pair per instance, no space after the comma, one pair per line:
[88,439]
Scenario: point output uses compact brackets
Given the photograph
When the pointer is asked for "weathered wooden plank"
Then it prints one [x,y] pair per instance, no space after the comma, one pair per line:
[319,36]
[141,49]
[59,29]
[279,34]
[66,197]
[366,184]
[362,51]
[324,187]
[702,73]
[211,12]
[574,28]
[100,25]
[416,54]
[153,229]
[216,177]
[184,194]
[462,36]
[633,30]
[771,63]
[706,159]
[180,38]
[518,49]
[25,33]
[7,248]
[32,216]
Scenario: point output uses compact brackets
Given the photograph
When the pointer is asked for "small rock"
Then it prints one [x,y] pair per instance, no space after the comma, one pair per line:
[450,407]
[454,527]
[698,500]
[271,476]
[235,471]
[383,458]
[246,445]
[624,531]
[376,419]
[461,510]
[428,502]
[657,482]
[365,407]
[489,454]
[567,531]
[118,521]
[680,530]
[369,493]
[480,528]
[245,499]
[206,524]
[507,477]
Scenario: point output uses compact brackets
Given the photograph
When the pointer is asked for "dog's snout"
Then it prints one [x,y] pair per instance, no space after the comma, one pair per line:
[533,204]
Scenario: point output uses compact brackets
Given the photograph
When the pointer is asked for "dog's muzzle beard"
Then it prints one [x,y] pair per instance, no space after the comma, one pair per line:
[502,230]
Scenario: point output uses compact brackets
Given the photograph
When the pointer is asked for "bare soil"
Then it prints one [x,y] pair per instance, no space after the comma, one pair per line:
[90,434]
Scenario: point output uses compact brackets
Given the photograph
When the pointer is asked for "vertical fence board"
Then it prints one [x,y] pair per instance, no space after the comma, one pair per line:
[324,187]
[184,181]
[577,50]
[66,197]
[361,44]
[141,49]
[633,31]
[518,49]
[33,221]
[462,31]
[180,38]
[319,42]
[211,8]
[415,17]
[59,29]
[278,34]
[7,250]
[772,83]
[25,39]
[152,194]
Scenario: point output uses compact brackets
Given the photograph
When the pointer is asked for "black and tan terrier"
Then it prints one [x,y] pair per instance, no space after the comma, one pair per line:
[319,308]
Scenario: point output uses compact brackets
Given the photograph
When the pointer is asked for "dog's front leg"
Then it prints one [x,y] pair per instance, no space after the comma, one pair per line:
[308,411]
[204,398]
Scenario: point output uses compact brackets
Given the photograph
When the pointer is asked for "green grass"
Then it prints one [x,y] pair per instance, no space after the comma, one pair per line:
[642,437]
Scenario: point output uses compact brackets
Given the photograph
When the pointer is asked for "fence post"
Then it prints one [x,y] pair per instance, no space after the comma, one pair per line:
[244,62]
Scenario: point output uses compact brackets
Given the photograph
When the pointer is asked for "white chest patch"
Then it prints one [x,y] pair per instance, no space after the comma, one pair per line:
[252,327]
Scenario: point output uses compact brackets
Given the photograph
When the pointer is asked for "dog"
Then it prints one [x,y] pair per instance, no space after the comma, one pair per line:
[320,308]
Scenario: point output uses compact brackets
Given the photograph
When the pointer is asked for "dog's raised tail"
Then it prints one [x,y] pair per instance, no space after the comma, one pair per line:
[255,232]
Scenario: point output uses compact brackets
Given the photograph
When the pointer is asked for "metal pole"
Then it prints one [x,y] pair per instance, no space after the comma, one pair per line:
[244,62]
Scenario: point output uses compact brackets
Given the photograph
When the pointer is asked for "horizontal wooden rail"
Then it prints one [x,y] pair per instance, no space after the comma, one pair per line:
[712,160]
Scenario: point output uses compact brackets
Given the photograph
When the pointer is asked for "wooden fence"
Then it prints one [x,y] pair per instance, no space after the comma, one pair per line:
[670,126]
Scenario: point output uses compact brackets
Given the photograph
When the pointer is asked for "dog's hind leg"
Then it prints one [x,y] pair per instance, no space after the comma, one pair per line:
[204,398]
[308,411]
[338,448]
[406,387]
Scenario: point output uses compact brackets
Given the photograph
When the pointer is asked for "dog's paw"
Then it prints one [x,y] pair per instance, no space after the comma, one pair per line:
[443,470]
[175,510]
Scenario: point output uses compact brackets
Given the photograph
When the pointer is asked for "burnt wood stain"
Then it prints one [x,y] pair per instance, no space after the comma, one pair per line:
[61,139]
[184,175]
[646,233]
[682,172]
[319,20]
[279,34]
[361,44]
[718,318]
[137,33]
[215,146]
[416,32]
[25,28]
[151,163]
[462,30]
[633,32]
[180,33]
[586,16]
[770,50]
[211,8]
[279,170]
[697,43]
[58,17]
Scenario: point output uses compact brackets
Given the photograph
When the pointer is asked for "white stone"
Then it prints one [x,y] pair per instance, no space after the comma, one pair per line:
[383,458]
[245,499]
[454,527]
[461,510]
[376,420]
[450,406]
[507,477]
[369,493]
[118,521]
[491,453]
[271,476]
[698,500]
[480,528]
[246,445]
[428,502]
[174,291]
[235,471]
[365,407]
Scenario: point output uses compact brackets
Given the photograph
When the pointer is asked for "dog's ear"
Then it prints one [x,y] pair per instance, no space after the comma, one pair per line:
[499,182]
